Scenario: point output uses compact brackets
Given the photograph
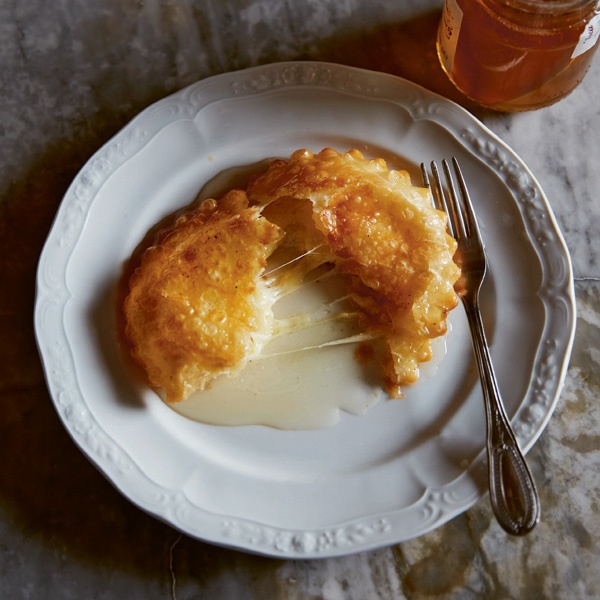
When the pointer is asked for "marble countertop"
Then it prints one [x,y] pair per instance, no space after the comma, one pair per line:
[73,73]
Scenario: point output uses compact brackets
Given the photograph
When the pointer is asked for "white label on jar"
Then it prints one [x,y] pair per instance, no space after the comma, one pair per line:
[448,33]
[589,36]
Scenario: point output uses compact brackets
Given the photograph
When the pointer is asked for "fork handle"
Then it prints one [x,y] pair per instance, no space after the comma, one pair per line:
[512,489]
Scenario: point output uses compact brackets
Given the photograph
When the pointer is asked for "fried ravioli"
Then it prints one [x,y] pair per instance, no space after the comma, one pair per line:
[200,304]
[197,307]
[386,236]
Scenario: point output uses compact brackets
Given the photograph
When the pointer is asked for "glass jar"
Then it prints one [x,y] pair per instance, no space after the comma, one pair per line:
[516,55]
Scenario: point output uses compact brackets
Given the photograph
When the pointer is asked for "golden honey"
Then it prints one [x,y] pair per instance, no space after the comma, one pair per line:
[516,55]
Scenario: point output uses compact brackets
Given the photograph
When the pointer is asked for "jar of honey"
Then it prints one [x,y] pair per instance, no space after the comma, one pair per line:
[514,55]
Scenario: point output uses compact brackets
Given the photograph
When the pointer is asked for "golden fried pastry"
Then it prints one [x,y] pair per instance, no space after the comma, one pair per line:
[386,236]
[197,307]
[201,304]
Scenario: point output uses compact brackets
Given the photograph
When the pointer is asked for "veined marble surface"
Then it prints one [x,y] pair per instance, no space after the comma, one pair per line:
[73,73]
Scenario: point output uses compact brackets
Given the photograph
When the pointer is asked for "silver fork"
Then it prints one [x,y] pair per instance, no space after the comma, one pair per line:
[512,489]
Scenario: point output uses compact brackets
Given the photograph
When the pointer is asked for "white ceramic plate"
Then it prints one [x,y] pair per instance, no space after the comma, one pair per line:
[406,466]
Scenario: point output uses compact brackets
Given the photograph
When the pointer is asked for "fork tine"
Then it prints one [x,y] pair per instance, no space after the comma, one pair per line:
[439,197]
[470,222]
[441,201]
[454,210]
[425,176]
[435,201]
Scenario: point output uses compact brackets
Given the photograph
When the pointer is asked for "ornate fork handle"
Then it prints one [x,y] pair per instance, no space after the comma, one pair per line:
[512,489]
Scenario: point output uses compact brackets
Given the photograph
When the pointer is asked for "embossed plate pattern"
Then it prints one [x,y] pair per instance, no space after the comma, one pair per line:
[405,467]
